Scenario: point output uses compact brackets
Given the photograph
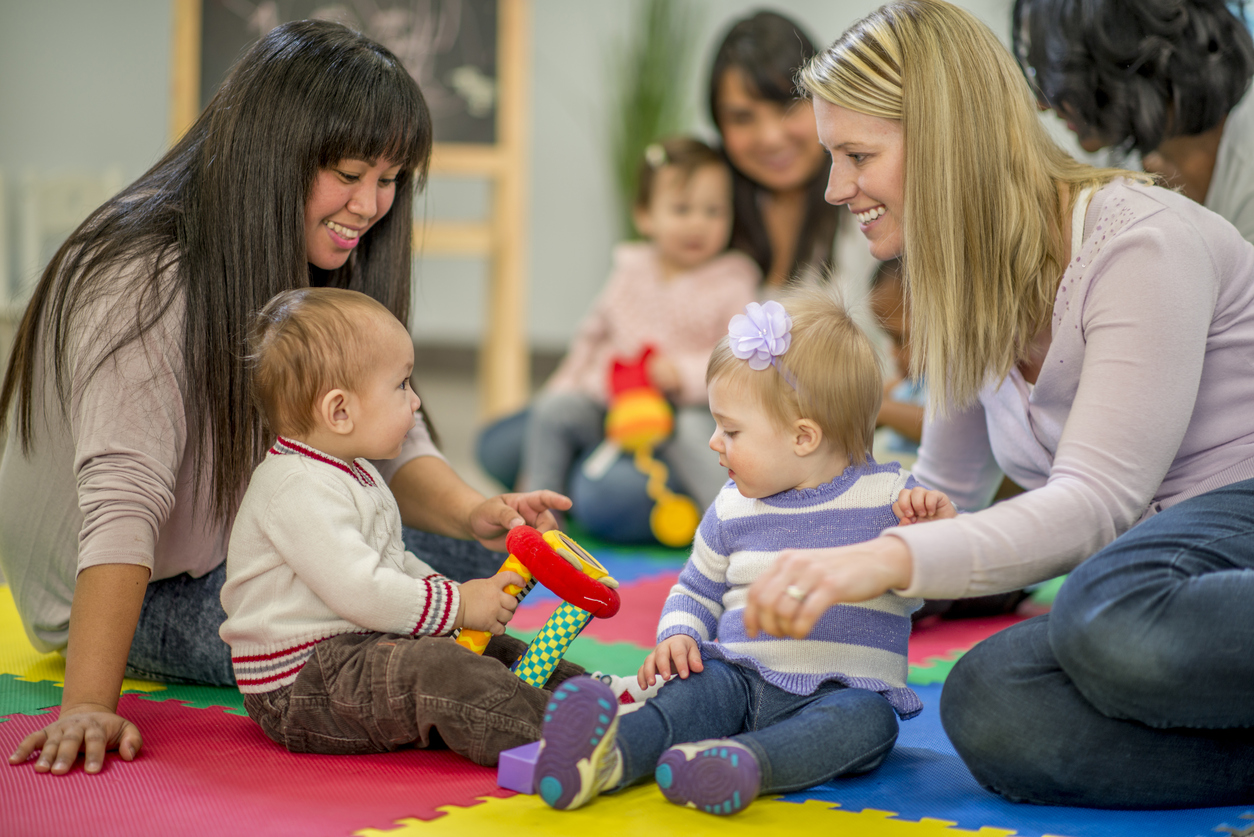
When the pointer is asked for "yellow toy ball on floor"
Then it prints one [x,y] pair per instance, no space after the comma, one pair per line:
[674,520]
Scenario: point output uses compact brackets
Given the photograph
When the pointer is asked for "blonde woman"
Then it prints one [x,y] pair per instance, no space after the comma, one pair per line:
[1090,335]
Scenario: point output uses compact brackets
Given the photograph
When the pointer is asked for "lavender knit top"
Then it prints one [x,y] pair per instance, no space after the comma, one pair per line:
[861,645]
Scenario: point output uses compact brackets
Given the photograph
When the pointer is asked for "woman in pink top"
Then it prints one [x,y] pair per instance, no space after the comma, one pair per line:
[1090,335]
[132,427]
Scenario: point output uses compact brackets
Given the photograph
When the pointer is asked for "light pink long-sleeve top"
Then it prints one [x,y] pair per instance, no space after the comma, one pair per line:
[1145,398]
[110,480]
[681,317]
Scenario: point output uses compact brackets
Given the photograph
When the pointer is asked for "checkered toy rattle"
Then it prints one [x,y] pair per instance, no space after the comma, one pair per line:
[585,587]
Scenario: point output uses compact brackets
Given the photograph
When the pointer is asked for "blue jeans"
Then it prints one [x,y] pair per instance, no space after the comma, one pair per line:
[1137,690]
[799,740]
[176,640]
[614,506]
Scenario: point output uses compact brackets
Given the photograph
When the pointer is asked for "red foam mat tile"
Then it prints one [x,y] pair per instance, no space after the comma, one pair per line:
[204,772]
[940,637]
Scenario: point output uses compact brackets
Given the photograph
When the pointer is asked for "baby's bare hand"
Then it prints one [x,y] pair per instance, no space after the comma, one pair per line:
[678,654]
[919,504]
[485,604]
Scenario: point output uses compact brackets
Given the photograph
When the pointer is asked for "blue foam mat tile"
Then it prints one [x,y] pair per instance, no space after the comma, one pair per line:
[924,777]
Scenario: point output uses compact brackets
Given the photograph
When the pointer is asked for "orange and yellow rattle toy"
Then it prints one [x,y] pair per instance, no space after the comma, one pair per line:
[585,587]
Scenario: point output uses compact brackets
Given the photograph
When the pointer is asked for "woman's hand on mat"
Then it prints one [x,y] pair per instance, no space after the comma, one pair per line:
[801,584]
[491,520]
[91,728]
[485,606]
[919,505]
[674,655]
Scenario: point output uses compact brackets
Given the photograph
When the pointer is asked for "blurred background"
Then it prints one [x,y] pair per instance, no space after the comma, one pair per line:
[86,106]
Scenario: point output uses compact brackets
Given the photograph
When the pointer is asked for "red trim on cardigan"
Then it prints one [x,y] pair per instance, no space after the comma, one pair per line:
[255,658]
[357,472]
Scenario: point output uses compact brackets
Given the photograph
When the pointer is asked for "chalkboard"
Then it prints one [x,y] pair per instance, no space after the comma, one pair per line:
[449,46]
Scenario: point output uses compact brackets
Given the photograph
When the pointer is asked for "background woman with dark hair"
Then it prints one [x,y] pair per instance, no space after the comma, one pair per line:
[133,429]
[781,219]
[1167,78]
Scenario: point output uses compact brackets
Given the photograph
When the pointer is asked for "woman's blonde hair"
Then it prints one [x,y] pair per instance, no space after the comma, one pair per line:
[984,227]
[829,374]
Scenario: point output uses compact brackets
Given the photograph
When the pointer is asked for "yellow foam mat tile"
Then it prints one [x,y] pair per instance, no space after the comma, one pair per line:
[19,658]
[643,810]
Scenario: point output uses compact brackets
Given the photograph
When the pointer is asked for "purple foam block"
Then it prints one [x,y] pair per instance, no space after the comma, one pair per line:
[516,769]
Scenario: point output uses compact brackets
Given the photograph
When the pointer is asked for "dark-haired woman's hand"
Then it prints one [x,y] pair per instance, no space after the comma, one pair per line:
[491,520]
[88,728]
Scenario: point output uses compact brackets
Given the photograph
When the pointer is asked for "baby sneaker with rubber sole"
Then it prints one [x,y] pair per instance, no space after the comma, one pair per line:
[578,758]
[717,776]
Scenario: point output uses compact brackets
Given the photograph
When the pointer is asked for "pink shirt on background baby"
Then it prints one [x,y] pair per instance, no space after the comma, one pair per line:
[682,317]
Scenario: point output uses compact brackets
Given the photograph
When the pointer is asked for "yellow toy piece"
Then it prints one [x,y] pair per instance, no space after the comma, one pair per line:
[477,641]
[674,518]
[578,557]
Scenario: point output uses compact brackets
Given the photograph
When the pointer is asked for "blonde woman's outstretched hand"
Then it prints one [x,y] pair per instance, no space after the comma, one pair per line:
[788,599]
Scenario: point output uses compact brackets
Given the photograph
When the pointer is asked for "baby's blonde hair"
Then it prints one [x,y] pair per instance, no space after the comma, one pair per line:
[306,342]
[983,240]
[829,374]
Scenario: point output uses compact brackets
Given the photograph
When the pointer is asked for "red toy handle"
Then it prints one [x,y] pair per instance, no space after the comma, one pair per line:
[559,575]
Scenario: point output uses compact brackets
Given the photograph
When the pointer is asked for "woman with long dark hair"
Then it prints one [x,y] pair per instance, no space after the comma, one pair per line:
[132,427]
[780,172]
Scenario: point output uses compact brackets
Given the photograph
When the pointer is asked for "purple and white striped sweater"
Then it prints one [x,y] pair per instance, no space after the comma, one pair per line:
[862,645]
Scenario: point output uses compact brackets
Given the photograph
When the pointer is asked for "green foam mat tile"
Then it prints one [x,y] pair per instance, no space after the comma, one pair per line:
[934,670]
[1044,593]
[199,697]
[20,697]
[621,658]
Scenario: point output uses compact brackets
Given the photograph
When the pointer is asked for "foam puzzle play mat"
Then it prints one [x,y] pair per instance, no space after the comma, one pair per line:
[206,769]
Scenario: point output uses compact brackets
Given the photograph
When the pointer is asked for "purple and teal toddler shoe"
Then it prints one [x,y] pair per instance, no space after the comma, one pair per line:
[717,776]
[578,758]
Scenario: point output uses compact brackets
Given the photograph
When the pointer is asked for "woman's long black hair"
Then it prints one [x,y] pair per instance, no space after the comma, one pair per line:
[218,225]
[769,49]
[1136,72]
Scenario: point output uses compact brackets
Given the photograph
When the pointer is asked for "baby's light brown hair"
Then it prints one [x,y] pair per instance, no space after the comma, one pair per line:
[829,374]
[306,342]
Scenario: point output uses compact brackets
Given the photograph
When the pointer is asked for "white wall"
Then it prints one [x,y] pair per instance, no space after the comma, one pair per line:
[83,87]
[84,84]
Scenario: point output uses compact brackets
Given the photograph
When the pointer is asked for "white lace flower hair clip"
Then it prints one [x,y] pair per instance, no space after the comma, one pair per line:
[761,335]
[655,155]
